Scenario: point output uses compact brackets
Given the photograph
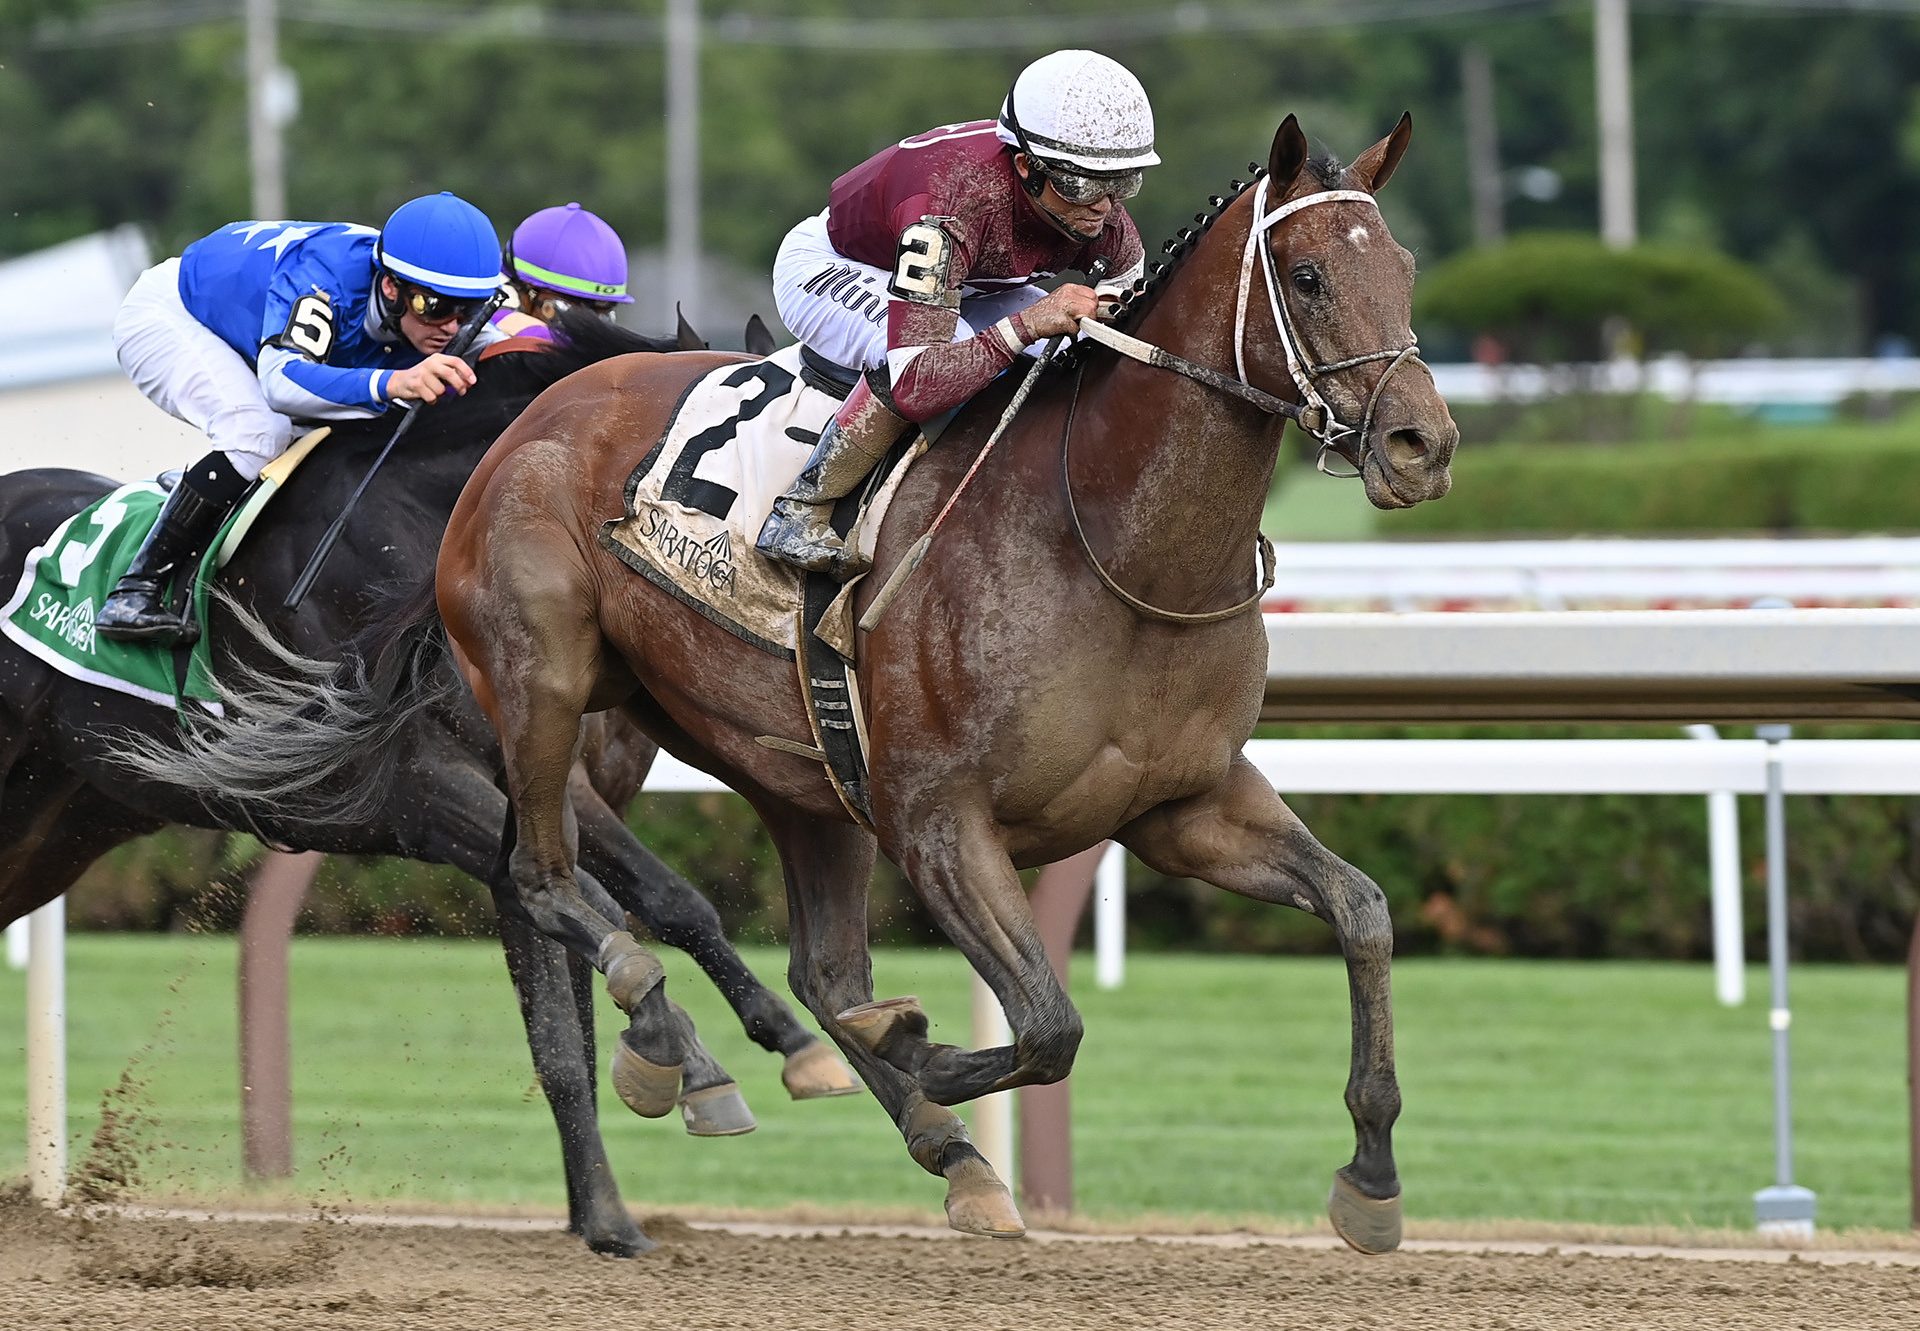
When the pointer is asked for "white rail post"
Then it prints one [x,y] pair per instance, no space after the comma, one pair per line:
[47,1054]
[993,1114]
[1785,1207]
[1723,857]
[17,945]
[1110,918]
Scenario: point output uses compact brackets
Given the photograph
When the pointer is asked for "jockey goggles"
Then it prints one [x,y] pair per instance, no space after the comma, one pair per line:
[1080,188]
[562,301]
[434,307]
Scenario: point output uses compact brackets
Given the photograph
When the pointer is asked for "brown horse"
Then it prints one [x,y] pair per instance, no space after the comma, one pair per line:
[1078,659]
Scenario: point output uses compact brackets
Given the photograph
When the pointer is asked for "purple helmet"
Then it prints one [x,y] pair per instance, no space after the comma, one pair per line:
[571,251]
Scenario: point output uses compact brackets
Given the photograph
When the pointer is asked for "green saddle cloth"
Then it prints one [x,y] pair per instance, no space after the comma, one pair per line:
[66,580]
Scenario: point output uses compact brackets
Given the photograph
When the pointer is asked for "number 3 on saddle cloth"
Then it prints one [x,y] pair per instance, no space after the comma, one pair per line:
[698,498]
[67,577]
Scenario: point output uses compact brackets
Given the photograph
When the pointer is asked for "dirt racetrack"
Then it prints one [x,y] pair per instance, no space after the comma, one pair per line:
[167,1274]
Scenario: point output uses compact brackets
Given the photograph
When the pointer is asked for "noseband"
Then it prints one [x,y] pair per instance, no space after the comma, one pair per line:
[1311,413]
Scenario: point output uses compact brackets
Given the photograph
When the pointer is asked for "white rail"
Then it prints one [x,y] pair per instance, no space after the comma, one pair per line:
[1554,575]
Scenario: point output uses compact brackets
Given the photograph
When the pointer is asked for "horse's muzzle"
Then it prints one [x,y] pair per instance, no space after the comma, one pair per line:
[1410,463]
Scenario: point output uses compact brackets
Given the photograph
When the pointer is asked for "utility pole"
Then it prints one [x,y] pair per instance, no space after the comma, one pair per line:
[1483,147]
[680,281]
[270,104]
[1613,87]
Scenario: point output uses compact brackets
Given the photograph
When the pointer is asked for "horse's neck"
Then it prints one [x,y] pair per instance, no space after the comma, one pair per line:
[1175,473]
[402,513]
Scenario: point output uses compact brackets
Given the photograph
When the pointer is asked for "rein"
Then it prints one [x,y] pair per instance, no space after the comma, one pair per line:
[1267,558]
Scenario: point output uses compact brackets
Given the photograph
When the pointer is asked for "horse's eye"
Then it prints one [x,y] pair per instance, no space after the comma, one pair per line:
[1306,281]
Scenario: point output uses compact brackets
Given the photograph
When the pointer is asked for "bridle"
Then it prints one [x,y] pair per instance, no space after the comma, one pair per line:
[1312,413]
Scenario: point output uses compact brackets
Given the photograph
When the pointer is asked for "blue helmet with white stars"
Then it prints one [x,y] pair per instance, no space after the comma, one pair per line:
[443,243]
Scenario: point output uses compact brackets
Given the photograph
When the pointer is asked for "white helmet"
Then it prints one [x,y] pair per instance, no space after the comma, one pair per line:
[1081,108]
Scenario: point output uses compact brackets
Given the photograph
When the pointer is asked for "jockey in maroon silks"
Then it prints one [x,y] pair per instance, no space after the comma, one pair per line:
[920,274]
[559,258]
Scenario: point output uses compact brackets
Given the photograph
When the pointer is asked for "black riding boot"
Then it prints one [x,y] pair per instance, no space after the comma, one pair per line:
[137,611]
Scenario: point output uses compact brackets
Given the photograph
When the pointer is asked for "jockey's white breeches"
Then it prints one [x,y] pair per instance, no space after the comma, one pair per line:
[187,371]
[838,306]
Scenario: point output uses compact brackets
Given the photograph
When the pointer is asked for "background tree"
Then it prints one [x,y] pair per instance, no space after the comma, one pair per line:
[1787,140]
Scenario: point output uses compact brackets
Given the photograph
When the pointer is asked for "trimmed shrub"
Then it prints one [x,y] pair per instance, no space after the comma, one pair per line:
[1550,296]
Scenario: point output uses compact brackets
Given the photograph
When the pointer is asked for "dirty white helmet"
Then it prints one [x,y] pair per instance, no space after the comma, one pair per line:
[1082,109]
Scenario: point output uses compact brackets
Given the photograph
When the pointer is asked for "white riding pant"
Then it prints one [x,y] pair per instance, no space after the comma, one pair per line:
[187,371]
[838,306]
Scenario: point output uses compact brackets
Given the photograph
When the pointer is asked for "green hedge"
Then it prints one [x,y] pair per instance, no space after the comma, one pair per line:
[1541,876]
[1839,478]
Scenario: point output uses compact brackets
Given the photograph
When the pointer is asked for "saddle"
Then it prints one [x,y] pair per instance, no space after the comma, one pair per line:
[696,501]
[67,577]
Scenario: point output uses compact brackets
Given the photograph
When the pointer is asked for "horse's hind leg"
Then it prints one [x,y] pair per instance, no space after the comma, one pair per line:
[827,869]
[680,917]
[563,1059]
[50,831]
[1242,837]
[530,647]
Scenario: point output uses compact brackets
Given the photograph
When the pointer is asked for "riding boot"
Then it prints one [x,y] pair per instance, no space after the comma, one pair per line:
[137,611]
[799,531]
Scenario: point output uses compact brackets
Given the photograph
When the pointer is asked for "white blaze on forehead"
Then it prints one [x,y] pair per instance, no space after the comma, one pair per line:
[1359,235]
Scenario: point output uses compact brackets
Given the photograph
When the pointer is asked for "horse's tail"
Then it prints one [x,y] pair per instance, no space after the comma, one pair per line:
[307,740]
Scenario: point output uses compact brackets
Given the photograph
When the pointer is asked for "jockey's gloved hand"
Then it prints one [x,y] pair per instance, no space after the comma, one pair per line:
[432,379]
[1060,310]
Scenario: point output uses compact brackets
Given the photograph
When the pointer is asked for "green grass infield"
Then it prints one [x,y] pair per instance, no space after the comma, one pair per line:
[1578,1093]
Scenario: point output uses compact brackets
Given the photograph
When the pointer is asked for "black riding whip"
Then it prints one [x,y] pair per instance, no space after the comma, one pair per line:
[457,345]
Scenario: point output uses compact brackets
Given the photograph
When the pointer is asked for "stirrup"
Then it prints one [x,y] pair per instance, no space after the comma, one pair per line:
[795,535]
[139,613]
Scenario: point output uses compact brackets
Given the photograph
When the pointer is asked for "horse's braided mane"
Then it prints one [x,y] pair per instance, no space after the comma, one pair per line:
[1326,169]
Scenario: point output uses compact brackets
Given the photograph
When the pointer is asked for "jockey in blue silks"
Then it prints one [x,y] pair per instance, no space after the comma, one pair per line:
[263,323]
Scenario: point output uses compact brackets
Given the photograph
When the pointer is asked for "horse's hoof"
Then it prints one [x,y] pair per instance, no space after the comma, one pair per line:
[717,1111]
[979,1203]
[871,1025]
[1369,1224]
[649,1089]
[624,1241]
[814,1072]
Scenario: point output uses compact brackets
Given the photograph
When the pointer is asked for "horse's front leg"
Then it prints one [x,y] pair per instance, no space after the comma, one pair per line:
[956,861]
[828,866]
[1242,837]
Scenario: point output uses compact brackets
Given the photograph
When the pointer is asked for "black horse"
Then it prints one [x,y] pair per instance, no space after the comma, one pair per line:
[64,801]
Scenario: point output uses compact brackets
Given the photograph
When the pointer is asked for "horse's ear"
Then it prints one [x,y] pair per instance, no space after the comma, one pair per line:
[760,340]
[1289,155]
[689,340]
[1375,164]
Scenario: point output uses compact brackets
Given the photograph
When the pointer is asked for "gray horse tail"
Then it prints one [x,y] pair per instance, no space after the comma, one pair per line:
[304,740]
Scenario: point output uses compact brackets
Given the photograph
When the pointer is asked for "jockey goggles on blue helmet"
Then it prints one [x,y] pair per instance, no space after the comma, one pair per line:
[434,307]
[1075,184]
[442,254]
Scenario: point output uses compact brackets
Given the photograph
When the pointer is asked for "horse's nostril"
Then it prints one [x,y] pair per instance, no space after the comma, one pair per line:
[1405,447]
